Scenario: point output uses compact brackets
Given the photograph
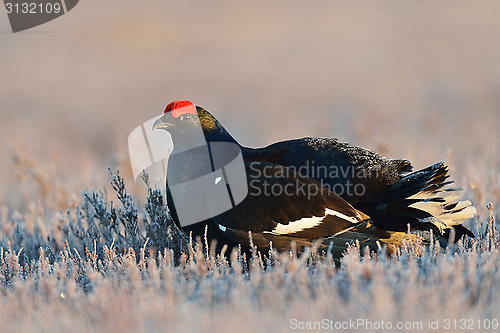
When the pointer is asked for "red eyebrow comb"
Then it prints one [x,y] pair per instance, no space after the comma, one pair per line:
[180,107]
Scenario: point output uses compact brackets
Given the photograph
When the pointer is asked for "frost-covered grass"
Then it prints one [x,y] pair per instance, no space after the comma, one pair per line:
[116,267]
[414,80]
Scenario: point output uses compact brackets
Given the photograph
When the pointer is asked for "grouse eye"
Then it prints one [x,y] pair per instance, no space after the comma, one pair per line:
[185,116]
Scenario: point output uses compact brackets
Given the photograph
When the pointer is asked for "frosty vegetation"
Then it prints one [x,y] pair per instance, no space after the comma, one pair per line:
[117,266]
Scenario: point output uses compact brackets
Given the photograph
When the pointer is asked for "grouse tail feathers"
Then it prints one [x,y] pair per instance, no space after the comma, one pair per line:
[419,199]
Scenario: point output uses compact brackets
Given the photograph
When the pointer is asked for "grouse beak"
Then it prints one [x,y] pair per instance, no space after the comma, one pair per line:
[160,124]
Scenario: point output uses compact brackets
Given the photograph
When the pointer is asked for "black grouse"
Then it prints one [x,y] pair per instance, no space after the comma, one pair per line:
[305,189]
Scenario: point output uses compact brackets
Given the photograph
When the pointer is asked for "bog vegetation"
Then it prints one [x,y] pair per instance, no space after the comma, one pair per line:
[117,265]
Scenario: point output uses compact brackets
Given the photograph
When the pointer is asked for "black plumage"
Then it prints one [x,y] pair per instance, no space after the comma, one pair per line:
[393,198]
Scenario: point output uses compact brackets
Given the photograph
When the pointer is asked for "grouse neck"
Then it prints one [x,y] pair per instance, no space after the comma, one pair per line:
[186,142]
[219,134]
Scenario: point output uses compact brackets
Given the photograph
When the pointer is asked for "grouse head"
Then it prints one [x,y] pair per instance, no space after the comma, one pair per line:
[189,124]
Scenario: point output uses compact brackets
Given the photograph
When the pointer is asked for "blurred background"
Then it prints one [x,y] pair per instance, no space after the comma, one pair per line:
[417,80]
